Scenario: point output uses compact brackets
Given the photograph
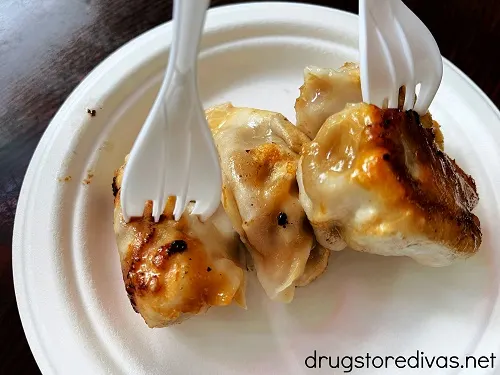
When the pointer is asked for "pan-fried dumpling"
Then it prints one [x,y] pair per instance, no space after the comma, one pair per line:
[259,151]
[377,180]
[174,270]
[328,91]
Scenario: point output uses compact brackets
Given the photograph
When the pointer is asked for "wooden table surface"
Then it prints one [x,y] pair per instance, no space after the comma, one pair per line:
[48,46]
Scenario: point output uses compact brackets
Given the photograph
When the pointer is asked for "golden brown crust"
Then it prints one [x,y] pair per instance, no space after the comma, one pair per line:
[259,154]
[398,158]
[395,188]
[172,269]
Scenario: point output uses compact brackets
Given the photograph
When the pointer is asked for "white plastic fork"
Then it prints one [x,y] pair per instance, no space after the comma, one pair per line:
[174,153]
[397,49]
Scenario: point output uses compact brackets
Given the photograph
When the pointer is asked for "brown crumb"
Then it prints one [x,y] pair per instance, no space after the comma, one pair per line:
[64,179]
[91,112]
[87,180]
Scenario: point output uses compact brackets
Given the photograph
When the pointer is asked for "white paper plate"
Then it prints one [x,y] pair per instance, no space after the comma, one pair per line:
[69,287]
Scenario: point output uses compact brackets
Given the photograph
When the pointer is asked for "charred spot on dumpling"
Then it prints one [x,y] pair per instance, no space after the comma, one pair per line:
[413,116]
[386,157]
[209,269]
[114,187]
[282,219]
[131,298]
[177,246]
[130,289]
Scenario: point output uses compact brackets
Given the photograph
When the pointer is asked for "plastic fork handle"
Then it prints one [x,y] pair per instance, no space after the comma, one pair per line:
[189,19]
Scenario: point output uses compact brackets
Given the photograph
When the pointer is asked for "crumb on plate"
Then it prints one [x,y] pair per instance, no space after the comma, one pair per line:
[87,180]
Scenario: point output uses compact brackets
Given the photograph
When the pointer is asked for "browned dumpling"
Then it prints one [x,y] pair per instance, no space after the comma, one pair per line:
[174,270]
[259,151]
[327,91]
[377,181]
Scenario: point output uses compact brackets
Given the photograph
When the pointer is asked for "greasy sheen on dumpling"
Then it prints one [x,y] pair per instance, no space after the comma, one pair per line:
[174,270]
[259,151]
[377,181]
[327,91]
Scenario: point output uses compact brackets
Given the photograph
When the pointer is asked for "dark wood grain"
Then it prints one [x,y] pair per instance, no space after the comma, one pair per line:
[47,47]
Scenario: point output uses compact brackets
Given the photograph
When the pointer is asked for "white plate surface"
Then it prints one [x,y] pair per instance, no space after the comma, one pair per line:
[68,282]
